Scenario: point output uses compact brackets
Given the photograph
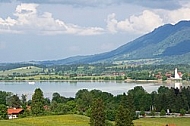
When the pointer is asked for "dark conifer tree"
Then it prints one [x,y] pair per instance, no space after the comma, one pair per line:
[14,101]
[97,117]
[123,117]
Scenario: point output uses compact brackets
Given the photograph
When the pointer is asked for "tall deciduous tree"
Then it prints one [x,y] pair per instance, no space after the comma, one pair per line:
[3,111]
[83,100]
[97,113]
[37,105]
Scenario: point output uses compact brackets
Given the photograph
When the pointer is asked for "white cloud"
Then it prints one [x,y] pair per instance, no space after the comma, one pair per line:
[28,20]
[112,23]
[143,23]
[178,15]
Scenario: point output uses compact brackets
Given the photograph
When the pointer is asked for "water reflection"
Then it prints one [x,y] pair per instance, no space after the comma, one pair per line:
[69,88]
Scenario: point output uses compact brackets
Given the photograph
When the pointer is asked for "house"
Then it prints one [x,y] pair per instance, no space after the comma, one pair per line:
[14,112]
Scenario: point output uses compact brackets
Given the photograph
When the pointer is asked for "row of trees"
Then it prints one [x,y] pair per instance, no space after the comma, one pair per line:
[95,103]
[91,71]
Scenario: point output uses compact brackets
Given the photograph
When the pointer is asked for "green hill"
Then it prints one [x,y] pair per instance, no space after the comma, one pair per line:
[165,43]
[28,70]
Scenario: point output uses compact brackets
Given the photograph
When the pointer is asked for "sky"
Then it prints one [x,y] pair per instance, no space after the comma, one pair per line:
[56,29]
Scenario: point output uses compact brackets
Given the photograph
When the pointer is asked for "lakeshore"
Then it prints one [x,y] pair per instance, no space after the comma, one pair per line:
[69,88]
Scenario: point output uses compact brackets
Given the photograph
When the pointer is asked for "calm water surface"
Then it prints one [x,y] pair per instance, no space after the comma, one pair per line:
[69,89]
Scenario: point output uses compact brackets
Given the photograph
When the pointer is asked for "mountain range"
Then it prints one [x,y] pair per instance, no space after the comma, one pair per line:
[168,44]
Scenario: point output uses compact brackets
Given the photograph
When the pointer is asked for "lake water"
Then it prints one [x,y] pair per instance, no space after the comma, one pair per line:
[69,89]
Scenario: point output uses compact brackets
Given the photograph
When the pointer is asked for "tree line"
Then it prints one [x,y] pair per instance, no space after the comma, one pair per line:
[101,106]
[96,72]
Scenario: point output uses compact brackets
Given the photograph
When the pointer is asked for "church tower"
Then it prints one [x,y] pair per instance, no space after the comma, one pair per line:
[176,74]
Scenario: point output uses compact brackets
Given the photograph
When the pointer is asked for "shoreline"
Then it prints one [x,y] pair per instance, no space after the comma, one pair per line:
[169,81]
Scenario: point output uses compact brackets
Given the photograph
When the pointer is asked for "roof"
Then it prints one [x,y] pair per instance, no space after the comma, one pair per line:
[14,110]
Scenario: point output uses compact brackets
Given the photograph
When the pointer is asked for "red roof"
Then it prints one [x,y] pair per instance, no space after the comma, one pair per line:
[14,110]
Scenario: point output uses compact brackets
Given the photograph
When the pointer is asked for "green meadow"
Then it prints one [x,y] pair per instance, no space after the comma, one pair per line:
[21,70]
[55,120]
[79,120]
[162,121]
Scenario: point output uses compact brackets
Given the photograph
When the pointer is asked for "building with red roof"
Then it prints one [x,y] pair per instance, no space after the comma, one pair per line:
[14,112]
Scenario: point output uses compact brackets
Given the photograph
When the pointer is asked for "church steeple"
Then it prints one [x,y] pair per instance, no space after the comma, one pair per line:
[176,74]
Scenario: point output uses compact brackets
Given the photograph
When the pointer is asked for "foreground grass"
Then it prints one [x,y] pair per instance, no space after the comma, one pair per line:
[79,120]
[55,120]
[162,121]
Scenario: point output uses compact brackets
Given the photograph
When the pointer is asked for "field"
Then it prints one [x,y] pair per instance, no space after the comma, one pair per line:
[78,120]
[22,70]
[56,120]
[162,121]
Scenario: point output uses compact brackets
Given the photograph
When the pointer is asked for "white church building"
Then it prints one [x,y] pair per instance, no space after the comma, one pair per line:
[177,76]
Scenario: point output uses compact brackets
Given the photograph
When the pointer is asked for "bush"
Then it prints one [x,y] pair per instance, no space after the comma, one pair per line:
[163,112]
[182,112]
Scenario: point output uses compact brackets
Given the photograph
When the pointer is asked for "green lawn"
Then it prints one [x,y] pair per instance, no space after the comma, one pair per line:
[55,120]
[162,121]
[79,120]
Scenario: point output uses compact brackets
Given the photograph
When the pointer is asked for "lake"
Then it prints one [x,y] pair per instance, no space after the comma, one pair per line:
[69,88]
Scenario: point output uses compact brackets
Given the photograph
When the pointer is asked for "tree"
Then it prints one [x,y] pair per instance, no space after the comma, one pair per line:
[3,111]
[163,112]
[23,99]
[14,101]
[142,112]
[97,117]
[123,117]
[164,78]
[128,103]
[182,112]
[84,100]
[163,89]
[37,105]
[57,97]
[3,96]
[137,93]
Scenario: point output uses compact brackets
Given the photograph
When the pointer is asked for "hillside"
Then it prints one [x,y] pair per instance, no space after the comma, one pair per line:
[166,44]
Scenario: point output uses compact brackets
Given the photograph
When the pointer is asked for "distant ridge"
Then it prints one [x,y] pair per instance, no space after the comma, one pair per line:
[165,45]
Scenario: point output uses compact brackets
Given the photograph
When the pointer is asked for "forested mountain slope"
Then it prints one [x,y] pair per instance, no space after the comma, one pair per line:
[166,44]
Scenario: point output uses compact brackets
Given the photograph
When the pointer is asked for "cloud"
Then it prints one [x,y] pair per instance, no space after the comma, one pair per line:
[28,20]
[143,23]
[178,15]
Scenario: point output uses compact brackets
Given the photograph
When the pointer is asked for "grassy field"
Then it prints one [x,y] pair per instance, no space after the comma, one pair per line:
[162,121]
[56,120]
[79,120]
[21,70]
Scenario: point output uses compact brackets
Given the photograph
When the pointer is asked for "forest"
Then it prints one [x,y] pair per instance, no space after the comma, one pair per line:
[135,103]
